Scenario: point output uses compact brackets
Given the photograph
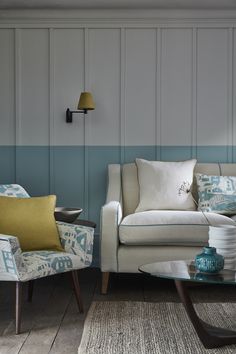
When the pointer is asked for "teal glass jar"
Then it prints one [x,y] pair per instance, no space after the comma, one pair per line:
[209,261]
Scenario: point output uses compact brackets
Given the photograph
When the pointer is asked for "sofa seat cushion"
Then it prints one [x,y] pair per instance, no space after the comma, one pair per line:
[168,227]
[233,217]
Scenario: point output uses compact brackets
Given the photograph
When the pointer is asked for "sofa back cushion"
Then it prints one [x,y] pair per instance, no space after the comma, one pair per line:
[163,185]
[130,185]
[130,188]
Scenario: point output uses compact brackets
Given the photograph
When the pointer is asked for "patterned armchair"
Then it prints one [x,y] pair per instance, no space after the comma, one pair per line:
[20,267]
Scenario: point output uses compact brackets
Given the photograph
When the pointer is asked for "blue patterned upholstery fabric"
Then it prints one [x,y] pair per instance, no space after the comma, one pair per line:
[216,194]
[76,239]
[13,190]
[10,258]
[16,265]
[23,266]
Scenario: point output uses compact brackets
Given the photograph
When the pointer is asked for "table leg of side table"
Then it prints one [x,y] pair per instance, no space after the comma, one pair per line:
[211,337]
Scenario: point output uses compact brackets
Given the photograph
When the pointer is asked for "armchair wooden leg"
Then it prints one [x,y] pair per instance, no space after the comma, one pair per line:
[30,290]
[18,305]
[105,281]
[77,290]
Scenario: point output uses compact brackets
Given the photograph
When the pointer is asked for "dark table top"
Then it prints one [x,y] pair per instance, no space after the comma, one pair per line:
[85,223]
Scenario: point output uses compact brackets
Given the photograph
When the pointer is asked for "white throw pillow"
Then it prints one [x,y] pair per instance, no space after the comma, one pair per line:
[165,185]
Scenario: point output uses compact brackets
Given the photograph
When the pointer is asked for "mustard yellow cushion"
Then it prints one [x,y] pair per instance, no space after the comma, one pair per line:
[32,221]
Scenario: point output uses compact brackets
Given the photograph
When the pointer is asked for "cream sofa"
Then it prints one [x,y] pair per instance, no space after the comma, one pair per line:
[130,239]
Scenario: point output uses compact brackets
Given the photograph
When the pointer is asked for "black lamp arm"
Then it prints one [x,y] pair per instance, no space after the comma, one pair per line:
[69,114]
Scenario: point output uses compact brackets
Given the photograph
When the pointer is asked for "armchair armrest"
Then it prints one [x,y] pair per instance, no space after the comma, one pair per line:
[77,239]
[10,258]
[111,216]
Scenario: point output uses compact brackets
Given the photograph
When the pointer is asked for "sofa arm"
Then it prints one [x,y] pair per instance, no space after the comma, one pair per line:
[77,239]
[10,258]
[111,216]
[114,191]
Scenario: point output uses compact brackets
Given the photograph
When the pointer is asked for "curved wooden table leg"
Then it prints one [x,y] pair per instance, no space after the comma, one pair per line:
[211,337]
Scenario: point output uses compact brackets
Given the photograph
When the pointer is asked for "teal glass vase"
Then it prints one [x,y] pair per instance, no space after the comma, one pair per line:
[209,261]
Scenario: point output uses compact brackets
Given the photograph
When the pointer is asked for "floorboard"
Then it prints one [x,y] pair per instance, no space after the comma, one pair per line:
[47,321]
[122,287]
[70,332]
[52,323]
[9,342]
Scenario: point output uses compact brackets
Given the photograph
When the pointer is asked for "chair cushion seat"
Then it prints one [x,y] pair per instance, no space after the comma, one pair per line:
[167,227]
[38,264]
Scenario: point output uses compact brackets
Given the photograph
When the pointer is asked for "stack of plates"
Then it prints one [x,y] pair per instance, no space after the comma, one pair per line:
[223,238]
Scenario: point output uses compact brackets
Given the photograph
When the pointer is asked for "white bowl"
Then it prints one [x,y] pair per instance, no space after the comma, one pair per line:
[222,236]
[68,215]
[229,260]
[227,238]
[229,267]
[222,226]
[226,252]
[222,229]
[222,244]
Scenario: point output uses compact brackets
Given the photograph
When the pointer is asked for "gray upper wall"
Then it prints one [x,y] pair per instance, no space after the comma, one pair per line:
[154,81]
[119,4]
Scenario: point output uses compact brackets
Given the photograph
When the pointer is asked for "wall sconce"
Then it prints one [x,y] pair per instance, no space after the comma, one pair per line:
[85,104]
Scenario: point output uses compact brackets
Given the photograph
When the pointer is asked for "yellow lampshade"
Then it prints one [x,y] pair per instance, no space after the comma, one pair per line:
[86,101]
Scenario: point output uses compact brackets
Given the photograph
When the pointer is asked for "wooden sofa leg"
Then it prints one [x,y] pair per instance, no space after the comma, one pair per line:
[18,305]
[105,281]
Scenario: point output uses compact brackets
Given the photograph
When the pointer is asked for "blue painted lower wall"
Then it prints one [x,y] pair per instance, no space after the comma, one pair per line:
[78,174]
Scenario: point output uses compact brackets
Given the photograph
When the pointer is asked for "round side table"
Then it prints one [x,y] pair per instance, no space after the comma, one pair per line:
[85,223]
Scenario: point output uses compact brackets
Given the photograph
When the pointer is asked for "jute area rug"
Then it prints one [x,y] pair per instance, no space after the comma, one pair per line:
[151,328]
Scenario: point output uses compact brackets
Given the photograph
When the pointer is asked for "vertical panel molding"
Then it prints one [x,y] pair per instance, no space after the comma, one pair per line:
[158,94]
[194,93]
[17,98]
[212,94]
[159,62]
[51,112]
[86,126]
[233,94]
[230,96]
[122,93]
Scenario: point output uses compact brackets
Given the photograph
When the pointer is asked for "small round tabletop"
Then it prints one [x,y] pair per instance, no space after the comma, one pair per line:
[85,223]
[186,271]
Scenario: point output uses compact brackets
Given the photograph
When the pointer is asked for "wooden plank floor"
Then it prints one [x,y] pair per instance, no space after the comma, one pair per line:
[52,324]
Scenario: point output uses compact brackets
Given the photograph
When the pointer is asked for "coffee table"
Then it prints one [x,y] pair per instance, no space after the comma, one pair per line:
[185,271]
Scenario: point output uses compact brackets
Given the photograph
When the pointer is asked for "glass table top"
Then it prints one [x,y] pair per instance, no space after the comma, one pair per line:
[186,271]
